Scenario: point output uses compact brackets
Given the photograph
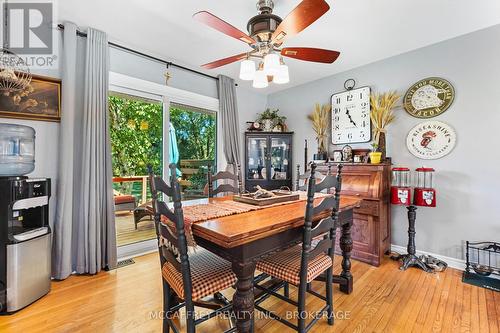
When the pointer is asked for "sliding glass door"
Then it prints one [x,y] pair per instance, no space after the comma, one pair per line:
[153,124]
[146,131]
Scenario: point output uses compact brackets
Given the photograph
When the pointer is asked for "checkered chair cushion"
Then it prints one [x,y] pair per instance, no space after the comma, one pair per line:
[209,274]
[285,265]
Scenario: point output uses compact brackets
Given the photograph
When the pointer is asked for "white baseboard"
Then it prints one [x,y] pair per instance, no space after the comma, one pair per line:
[452,262]
[137,249]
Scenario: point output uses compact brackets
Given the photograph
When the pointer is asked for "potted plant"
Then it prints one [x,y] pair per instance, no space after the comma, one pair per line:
[382,107]
[271,118]
[375,155]
[320,119]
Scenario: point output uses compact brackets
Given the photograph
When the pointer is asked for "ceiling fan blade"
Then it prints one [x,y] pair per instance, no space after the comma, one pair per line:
[225,61]
[299,18]
[310,54]
[222,26]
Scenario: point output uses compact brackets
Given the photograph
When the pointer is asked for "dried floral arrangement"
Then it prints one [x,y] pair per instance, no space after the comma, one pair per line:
[320,119]
[382,115]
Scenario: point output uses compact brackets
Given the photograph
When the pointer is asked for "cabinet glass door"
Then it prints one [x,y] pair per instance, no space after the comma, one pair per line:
[257,157]
[280,157]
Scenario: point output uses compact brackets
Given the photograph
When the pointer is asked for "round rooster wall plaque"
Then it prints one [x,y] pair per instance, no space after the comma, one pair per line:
[429,97]
[431,140]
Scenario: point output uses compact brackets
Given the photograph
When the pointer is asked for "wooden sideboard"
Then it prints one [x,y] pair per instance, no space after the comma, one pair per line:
[371,230]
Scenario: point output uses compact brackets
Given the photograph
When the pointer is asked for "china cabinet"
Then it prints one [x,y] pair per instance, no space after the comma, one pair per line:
[268,160]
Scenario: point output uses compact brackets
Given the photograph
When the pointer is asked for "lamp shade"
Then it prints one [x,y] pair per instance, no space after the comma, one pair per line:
[282,76]
[247,70]
[260,79]
[271,64]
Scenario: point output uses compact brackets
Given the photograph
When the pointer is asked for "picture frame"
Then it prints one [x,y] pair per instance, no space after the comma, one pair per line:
[337,156]
[363,155]
[40,101]
[347,153]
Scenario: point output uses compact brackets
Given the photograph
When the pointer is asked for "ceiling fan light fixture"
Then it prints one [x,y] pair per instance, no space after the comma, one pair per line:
[247,70]
[282,76]
[271,64]
[260,80]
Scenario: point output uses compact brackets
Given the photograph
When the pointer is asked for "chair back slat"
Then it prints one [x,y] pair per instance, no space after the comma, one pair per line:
[162,209]
[302,179]
[321,247]
[161,186]
[327,183]
[225,188]
[326,204]
[169,255]
[222,175]
[322,227]
[235,179]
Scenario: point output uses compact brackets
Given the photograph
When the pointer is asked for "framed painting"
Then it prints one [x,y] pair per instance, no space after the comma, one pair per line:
[41,100]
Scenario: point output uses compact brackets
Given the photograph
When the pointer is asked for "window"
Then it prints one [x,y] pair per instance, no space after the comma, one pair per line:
[195,131]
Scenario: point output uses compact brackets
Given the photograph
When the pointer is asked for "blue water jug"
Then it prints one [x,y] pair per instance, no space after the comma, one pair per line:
[17,150]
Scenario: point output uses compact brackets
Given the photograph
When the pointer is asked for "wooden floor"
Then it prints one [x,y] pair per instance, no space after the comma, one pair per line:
[384,300]
[126,232]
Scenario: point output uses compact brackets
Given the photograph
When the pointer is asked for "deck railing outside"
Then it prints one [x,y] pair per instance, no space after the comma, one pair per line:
[189,168]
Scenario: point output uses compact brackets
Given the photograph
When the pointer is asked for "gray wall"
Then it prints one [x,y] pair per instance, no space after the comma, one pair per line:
[468,179]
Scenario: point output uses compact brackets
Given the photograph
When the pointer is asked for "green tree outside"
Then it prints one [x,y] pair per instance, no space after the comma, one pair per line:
[136,131]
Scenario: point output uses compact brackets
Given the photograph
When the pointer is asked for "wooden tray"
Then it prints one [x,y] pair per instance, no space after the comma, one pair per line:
[280,197]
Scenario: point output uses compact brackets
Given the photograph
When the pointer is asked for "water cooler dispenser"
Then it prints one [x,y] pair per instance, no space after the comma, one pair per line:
[25,235]
[25,241]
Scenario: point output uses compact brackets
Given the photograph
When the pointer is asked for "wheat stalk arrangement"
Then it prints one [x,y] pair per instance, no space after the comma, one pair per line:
[382,113]
[320,118]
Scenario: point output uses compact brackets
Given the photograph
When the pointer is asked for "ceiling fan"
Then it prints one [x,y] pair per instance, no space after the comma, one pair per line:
[266,34]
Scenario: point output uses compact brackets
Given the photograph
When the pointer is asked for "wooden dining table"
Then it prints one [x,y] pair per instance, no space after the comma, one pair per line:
[245,238]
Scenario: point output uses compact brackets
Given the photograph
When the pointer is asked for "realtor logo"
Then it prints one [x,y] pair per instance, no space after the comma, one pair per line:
[28,27]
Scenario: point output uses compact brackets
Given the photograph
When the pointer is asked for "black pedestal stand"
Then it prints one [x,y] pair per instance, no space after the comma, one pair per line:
[411,259]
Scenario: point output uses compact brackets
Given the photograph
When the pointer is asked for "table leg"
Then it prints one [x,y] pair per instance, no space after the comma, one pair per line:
[243,299]
[346,247]
[345,279]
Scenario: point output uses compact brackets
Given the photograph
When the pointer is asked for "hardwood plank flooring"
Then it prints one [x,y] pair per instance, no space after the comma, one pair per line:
[385,299]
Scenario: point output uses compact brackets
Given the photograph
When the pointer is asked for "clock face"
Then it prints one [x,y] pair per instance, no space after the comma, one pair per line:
[351,116]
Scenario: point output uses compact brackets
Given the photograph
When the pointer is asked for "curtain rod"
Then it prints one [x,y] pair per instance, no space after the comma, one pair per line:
[168,63]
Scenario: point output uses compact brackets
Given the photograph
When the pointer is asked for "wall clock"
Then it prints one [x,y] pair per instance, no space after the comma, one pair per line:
[431,140]
[429,97]
[351,115]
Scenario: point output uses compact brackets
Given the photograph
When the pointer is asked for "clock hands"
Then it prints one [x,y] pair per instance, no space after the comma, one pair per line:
[350,118]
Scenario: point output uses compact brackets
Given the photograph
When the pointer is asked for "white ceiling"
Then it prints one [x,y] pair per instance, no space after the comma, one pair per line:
[363,31]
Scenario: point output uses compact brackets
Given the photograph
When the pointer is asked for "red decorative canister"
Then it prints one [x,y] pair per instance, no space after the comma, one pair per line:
[425,194]
[400,188]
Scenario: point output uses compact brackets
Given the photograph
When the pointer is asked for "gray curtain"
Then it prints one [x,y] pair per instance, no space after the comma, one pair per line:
[84,228]
[96,239]
[229,120]
[63,223]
